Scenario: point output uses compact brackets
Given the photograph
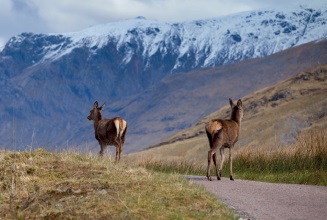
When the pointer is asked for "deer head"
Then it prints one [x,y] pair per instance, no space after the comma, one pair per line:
[95,112]
[237,110]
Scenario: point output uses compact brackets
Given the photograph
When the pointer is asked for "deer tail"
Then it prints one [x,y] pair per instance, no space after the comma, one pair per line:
[121,126]
[212,128]
[117,125]
[124,132]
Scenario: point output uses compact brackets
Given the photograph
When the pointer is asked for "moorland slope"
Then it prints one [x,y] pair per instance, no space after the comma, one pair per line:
[274,117]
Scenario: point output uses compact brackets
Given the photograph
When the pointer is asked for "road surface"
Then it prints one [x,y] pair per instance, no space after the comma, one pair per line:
[259,200]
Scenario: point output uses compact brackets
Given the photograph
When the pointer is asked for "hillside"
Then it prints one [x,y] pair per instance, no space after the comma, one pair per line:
[274,116]
[180,101]
[50,81]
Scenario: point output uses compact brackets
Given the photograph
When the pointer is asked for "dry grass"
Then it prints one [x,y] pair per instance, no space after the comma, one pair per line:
[44,185]
[303,162]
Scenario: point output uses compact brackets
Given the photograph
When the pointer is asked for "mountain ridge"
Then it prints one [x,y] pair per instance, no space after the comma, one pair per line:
[204,39]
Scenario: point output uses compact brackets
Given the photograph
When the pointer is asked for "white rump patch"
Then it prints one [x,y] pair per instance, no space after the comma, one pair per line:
[213,126]
[123,127]
[117,128]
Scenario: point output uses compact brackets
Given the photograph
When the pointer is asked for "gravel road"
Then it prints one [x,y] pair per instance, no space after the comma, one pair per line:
[258,200]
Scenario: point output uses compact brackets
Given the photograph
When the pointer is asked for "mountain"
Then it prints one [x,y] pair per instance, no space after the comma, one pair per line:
[50,81]
[273,117]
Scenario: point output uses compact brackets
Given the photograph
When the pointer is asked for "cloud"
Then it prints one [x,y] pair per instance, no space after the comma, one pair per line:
[39,16]
[73,15]
[2,43]
[17,17]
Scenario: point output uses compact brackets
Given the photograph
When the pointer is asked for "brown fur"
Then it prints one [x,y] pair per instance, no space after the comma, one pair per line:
[222,134]
[106,132]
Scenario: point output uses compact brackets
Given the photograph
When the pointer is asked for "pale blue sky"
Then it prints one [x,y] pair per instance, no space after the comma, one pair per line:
[60,16]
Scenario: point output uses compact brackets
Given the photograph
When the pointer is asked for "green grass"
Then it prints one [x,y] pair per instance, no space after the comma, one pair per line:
[45,185]
[304,162]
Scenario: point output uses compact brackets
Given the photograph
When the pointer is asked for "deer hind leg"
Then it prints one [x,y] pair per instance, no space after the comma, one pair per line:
[120,150]
[214,157]
[209,139]
[119,147]
[210,154]
[222,156]
[117,153]
[215,144]
[102,150]
[231,164]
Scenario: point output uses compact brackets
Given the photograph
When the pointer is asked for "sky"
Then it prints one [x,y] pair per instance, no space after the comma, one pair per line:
[62,16]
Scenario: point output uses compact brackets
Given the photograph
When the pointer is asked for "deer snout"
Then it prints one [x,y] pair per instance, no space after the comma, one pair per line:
[89,117]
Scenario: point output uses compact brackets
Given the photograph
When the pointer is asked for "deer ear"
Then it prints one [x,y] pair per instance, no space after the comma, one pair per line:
[95,105]
[102,106]
[239,103]
[231,103]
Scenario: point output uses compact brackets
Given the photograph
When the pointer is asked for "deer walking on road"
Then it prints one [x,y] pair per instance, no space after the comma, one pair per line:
[108,131]
[224,134]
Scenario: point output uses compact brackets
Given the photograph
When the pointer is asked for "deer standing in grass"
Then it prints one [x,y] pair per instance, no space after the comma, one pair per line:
[222,134]
[108,131]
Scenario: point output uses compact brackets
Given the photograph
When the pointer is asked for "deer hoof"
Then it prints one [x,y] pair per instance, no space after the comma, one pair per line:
[218,178]
[209,178]
[231,178]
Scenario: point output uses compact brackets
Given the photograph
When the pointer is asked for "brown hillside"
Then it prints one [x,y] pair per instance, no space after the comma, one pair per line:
[273,117]
[181,100]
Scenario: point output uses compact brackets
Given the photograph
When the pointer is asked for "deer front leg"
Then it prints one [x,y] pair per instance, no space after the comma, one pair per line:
[222,157]
[231,164]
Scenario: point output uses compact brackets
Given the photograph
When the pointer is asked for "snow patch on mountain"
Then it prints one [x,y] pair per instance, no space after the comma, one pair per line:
[210,42]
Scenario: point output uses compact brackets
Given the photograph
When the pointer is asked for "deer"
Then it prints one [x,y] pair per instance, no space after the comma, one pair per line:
[224,134]
[108,131]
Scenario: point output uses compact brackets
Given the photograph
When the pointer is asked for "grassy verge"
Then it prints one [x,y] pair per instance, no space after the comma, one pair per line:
[304,162]
[44,185]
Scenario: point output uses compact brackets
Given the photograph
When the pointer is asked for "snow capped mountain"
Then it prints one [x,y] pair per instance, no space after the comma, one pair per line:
[206,43]
[51,80]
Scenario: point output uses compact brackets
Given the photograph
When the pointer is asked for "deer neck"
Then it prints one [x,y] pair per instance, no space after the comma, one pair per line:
[238,121]
[97,118]
[235,117]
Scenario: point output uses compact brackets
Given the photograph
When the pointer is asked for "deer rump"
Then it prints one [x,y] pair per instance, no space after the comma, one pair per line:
[226,130]
[110,131]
